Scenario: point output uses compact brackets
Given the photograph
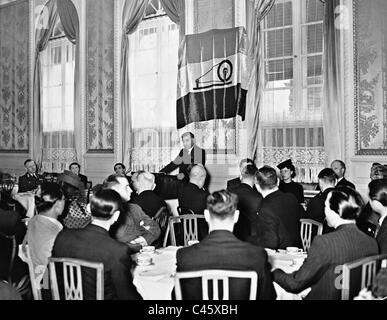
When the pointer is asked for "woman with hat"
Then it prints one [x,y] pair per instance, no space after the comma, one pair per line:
[288,172]
[75,215]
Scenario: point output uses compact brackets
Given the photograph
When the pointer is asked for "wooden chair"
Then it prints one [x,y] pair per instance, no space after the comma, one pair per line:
[72,278]
[215,276]
[360,274]
[36,284]
[306,232]
[190,228]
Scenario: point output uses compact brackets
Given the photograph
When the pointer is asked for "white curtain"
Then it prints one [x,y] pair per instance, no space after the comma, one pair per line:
[58,63]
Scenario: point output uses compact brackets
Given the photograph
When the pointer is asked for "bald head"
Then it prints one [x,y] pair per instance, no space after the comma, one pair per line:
[146,181]
[198,175]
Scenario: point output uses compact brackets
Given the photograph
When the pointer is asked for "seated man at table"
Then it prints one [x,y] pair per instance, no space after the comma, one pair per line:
[149,202]
[278,222]
[93,243]
[44,227]
[321,270]
[237,181]
[29,181]
[249,201]
[192,195]
[316,206]
[133,226]
[222,250]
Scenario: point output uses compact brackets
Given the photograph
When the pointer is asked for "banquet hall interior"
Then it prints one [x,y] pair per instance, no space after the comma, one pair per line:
[150,143]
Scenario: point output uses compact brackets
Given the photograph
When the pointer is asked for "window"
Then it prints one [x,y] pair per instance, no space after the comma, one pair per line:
[291,117]
[58,63]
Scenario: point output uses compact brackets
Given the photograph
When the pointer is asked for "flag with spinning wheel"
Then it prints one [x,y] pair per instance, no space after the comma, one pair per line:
[212,76]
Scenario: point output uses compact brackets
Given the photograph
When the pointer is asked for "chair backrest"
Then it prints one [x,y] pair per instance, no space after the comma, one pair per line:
[360,274]
[306,232]
[36,284]
[184,210]
[190,227]
[72,278]
[6,188]
[161,217]
[215,276]
[12,240]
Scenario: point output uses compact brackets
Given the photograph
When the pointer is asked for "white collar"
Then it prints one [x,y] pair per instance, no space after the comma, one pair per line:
[54,221]
[189,150]
[338,180]
[382,219]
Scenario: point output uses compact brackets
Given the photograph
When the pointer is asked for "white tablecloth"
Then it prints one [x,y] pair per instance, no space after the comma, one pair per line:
[156,282]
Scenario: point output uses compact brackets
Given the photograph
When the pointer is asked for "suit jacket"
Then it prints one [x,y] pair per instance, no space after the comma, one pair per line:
[133,223]
[381,237]
[278,222]
[190,196]
[233,183]
[184,160]
[149,202]
[28,182]
[93,243]
[321,270]
[249,202]
[293,187]
[222,250]
[345,183]
[315,209]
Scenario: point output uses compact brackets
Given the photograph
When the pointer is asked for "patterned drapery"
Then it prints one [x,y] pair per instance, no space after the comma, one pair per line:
[100,75]
[14,77]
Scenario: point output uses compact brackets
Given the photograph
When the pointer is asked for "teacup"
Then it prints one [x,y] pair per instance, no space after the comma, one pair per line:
[192,242]
[144,260]
[148,249]
[293,250]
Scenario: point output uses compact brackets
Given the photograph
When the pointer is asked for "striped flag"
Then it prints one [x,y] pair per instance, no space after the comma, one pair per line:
[212,76]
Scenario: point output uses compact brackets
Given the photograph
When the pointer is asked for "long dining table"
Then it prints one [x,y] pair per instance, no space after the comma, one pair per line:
[156,281]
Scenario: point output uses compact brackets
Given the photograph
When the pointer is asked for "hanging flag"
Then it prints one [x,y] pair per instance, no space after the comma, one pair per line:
[212,76]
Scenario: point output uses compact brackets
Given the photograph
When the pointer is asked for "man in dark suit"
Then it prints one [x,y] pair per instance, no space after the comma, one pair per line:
[190,155]
[93,243]
[30,181]
[378,202]
[233,183]
[75,168]
[249,201]
[278,222]
[222,250]
[149,201]
[192,196]
[316,206]
[339,168]
[322,269]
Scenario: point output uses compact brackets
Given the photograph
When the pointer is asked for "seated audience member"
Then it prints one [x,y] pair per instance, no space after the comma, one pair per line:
[94,244]
[30,181]
[368,220]
[44,227]
[237,181]
[338,167]
[249,201]
[222,250]
[192,195]
[377,192]
[119,169]
[75,168]
[330,251]
[378,289]
[316,206]
[149,202]
[133,184]
[287,185]
[75,214]
[11,224]
[133,226]
[278,222]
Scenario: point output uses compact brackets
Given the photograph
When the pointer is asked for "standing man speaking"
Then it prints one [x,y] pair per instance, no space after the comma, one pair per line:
[188,156]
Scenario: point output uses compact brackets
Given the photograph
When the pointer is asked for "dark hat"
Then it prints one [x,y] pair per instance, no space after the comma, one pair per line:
[71,179]
[286,164]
